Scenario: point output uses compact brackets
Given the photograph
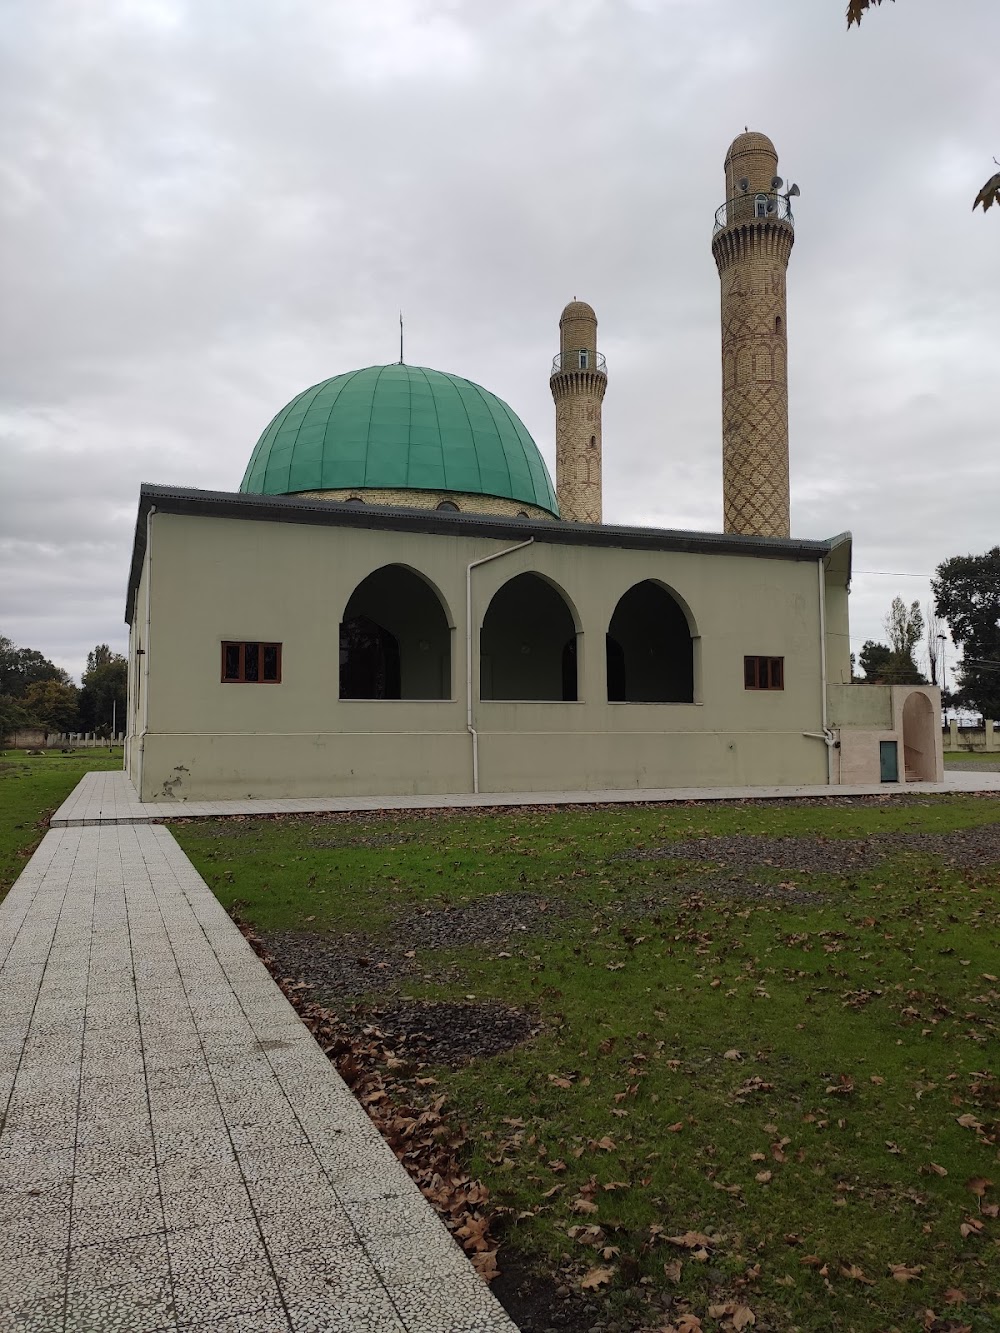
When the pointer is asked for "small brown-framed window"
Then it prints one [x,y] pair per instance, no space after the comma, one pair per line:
[251,663]
[764,673]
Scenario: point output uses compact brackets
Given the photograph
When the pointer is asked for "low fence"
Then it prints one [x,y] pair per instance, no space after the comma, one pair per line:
[32,739]
[984,739]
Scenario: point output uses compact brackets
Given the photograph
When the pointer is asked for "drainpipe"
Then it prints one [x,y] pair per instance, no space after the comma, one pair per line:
[145,647]
[828,735]
[469,719]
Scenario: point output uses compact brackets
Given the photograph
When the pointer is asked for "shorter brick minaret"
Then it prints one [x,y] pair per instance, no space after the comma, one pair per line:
[578,382]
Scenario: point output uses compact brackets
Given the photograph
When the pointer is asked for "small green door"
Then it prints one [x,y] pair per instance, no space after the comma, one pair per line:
[889,761]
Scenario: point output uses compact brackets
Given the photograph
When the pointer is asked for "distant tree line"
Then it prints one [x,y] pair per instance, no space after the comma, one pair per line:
[34,692]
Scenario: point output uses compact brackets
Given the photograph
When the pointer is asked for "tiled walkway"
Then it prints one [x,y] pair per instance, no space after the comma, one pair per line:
[176,1152]
[110,798]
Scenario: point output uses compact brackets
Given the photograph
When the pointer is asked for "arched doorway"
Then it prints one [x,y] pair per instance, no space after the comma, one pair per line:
[395,640]
[919,738]
[650,651]
[528,643]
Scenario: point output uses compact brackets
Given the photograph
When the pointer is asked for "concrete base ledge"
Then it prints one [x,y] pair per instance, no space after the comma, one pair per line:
[110,798]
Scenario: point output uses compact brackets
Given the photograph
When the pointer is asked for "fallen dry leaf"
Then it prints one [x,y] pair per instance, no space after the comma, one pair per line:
[969,1122]
[856,1274]
[672,1271]
[763,1177]
[954,1296]
[905,1272]
[596,1277]
[691,1240]
[978,1185]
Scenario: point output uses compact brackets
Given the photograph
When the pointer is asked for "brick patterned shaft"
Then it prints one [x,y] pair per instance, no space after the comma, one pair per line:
[578,388]
[751,253]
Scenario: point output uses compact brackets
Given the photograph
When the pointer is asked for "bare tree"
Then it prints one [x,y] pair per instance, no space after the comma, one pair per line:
[990,193]
[933,643]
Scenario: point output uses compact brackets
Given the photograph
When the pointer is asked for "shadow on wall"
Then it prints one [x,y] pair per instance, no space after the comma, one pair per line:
[919,738]
[395,640]
[650,652]
[528,643]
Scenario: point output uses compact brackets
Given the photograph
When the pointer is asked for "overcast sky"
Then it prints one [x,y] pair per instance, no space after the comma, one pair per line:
[208,205]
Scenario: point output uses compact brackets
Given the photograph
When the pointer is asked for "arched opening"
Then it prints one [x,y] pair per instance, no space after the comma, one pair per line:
[395,641]
[760,205]
[919,738]
[449,505]
[778,324]
[528,643]
[650,651]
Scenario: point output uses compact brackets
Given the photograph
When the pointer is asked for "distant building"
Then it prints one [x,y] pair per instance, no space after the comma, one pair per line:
[397,600]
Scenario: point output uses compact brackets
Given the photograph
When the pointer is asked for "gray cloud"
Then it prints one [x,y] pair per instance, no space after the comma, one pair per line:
[204,211]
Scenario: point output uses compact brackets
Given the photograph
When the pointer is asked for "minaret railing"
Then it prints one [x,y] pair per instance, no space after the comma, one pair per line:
[761,206]
[580,359]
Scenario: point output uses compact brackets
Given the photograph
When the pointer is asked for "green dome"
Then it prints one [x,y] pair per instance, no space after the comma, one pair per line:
[399,427]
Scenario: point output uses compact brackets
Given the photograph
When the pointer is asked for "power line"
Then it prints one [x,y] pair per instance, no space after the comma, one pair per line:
[893,573]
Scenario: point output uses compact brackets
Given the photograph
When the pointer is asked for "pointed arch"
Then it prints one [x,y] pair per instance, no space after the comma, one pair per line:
[395,638]
[528,642]
[650,647]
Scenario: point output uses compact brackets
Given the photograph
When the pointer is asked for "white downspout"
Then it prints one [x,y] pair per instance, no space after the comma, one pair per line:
[145,647]
[469,719]
[828,735]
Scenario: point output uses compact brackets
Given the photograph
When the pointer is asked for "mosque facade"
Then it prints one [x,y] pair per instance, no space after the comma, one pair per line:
[397,600]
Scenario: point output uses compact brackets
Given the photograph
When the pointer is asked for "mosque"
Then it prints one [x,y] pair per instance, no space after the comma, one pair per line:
[414,608]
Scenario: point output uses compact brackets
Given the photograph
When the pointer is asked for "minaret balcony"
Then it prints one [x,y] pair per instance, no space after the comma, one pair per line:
[581,359]
[762,206]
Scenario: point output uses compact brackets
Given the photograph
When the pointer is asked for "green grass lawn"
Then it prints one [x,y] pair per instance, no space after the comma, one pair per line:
[808,1088]
[31,788]
[956,756]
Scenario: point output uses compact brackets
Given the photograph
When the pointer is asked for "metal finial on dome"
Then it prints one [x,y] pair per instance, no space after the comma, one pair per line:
[401,337]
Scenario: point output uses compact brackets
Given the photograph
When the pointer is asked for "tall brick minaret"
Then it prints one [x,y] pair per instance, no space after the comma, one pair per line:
[753,239]
[578,382]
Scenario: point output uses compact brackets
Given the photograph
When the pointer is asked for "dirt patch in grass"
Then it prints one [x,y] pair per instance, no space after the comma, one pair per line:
[443,1033]
[356,964]
[693,892]
[541,1303]
[493,919]
[338,965]
[828,856]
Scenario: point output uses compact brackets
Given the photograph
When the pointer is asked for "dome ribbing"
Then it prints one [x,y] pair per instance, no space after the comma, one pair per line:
[399,427]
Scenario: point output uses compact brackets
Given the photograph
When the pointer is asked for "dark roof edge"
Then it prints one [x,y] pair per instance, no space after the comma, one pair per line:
[334,513]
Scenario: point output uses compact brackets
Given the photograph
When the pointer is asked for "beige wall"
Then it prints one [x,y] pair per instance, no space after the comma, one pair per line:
[866,715]
[216,579]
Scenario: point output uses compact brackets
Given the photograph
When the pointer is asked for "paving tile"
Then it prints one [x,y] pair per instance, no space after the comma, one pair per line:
[205,1207]
[271,1319]
[120,1220]
[47,1315]
[299,1228]
[466,1306]
[118,1263]
[133,1308]
[30,1276]
[409,1214]
[372,1311]
[330,1273]
[206,1292]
